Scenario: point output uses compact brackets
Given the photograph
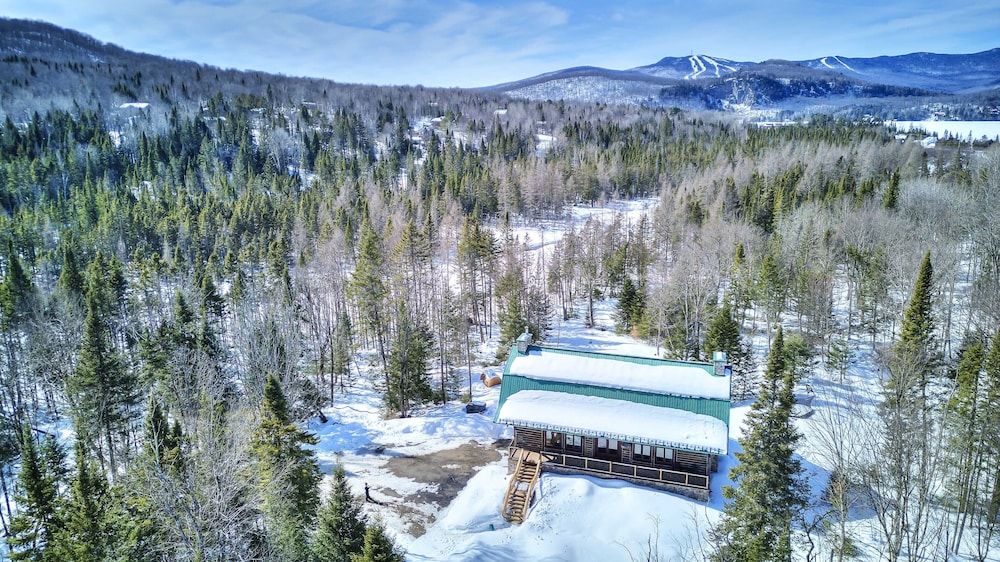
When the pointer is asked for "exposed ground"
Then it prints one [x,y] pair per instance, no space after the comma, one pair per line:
[445,472]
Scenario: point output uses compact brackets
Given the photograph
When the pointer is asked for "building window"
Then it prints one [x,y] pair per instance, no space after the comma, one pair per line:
[574,443]
[553,440]
[607,448]
[642,453]
[664,455]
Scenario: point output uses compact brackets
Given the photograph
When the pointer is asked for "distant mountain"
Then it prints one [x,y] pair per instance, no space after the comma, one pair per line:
[930,71]
[915,83]
[693,67]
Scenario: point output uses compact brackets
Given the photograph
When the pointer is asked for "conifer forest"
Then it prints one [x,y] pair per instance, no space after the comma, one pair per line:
[201,267]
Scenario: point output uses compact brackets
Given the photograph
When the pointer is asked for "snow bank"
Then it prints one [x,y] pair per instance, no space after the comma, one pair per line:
[568,521]
[616,419]
[662,377]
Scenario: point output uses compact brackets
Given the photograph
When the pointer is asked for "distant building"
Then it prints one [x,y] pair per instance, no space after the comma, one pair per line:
[655,422]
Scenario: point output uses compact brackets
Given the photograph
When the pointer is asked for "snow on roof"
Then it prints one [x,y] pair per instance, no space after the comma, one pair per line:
[615,419]
[645,375]
[134,105]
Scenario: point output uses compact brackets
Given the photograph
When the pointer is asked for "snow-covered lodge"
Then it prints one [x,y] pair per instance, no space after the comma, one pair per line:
[651,421]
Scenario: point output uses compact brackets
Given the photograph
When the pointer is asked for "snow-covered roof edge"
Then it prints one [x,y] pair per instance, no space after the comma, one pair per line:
[596,425]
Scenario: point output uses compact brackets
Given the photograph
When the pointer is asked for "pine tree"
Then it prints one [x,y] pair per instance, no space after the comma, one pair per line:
[407,374]
[367,285]
[756,524]
[341,351]
[723,333]
[17,294]
[35,522]
[101,389]
[917,331]
[288,475]
[891,196]
[70,279]
[772,285]
[340,531]
[510,292]
[378,547]
[963,420]
[631,305]
[211,301]
[914,354]
[83,534]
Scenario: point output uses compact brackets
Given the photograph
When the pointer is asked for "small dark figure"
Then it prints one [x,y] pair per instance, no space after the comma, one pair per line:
[368,495]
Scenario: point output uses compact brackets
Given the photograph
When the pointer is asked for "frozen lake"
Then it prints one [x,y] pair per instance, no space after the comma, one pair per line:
[959,129]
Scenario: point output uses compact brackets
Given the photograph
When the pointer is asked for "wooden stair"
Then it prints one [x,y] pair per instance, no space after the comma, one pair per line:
[517,500]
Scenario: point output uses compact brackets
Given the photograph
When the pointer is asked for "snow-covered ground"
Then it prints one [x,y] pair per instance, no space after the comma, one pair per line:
[961,130]
[575,517]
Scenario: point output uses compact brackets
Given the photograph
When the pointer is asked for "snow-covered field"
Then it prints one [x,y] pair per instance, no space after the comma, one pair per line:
[962,130]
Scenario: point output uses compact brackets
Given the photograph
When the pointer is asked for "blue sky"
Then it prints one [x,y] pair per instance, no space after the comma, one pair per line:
[462,43]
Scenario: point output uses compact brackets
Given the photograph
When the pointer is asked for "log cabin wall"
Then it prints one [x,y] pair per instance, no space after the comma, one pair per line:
[589,446]
[692,462]
[528,438]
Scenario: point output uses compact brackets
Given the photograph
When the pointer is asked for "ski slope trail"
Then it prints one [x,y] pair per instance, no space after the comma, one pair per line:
[697,68]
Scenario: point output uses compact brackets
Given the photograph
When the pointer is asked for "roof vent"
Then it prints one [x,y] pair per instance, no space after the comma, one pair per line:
[719,360]
[523,340]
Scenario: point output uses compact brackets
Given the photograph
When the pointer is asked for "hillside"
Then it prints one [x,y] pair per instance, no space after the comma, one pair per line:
[246,316]
[886,86]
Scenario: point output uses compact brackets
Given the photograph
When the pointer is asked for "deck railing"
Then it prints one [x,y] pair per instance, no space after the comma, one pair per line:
[619,469]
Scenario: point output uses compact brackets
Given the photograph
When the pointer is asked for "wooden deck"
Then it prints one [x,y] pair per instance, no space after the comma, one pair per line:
[625,470]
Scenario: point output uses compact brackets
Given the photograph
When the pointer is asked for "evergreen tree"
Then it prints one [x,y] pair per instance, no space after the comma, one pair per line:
[101,389]
[772,285]
[631,305]
[35,522]
[914,355]
[378,547]
[288,475]
[211,300]
[407,374]
[723,333]
[510,292]
[340,531]
[341,350]
[70,279]
[963,420]
[83,534]
[756,524]
[891,196]
[367,286]
[917,331]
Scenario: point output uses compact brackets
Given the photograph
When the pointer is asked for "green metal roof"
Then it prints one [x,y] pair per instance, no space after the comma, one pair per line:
[713,407]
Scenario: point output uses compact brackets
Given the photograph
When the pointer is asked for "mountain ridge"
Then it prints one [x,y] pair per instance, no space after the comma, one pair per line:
[832,81]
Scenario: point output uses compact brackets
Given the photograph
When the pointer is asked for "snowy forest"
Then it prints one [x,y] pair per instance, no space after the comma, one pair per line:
[195,269]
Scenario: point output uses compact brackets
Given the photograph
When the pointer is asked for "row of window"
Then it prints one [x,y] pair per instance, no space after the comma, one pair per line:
[606,447]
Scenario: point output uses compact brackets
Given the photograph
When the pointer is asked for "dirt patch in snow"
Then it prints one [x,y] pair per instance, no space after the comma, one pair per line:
[446,472]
